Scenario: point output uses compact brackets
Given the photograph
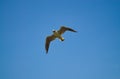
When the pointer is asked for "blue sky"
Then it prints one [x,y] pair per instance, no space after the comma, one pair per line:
[92,53]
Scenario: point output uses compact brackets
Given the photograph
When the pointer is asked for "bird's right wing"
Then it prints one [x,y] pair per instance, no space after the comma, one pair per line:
[63,29]
[48,40]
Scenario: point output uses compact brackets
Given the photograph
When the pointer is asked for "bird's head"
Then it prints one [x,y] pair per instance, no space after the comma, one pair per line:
[54,31]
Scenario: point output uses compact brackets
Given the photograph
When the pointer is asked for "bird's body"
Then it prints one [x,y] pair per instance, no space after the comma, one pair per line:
[56,34]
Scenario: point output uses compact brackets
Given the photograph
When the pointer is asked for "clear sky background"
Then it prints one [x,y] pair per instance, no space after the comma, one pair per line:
[92,53]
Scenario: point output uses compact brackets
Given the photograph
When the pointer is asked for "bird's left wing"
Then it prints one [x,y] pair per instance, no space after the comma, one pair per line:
[48,40]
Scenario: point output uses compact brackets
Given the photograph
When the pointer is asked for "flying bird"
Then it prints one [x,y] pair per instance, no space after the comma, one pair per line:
[56,34]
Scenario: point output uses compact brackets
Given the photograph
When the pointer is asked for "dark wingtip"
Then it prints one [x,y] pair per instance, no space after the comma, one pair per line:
[75,31]
[46,52]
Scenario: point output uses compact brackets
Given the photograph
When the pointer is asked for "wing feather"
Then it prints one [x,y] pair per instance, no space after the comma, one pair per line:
[48,40]
[63,29]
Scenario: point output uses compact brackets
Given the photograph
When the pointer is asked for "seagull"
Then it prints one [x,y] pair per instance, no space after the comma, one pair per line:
[56,34]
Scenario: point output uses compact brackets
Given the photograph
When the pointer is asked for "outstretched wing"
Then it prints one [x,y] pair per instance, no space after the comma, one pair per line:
[48,40]
[63,29]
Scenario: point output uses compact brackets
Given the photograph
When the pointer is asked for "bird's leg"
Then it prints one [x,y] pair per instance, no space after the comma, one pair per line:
[61,38]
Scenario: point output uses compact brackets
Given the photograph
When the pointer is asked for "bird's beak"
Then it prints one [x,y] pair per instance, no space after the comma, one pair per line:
[53,30]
